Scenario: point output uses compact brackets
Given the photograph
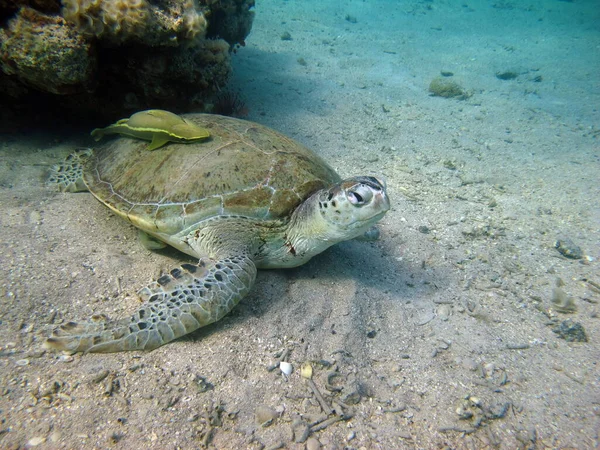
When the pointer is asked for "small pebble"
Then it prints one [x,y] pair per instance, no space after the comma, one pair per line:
[424,229]
[562,302]
[100,376]
[469,364]
[488,370]
[444,312]
[507,75]
[313,444]
[34,442]
[22,362]
[498,410]
[66,358]
[301,430]
[265,415]
[476,401]
[571,331]
[425,317]
[567,248]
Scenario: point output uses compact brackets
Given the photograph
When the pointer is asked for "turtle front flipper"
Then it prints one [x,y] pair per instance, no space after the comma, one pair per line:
[68,175]
[190,297]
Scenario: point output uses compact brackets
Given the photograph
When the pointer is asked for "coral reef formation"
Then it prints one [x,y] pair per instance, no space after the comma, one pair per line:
[109,57]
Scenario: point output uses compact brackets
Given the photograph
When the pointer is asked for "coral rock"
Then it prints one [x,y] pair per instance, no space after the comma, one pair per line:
[115,56]
[45,52]
[118,21]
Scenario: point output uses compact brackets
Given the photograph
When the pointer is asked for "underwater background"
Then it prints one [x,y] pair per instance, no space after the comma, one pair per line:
[471,323]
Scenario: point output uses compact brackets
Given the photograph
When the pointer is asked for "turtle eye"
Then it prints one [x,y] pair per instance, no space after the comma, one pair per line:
[360,195]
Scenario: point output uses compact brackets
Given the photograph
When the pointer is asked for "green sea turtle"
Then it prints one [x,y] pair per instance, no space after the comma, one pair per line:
[157,126]
[248,198]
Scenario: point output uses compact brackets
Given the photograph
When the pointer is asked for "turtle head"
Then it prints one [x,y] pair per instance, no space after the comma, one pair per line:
[344,211]
[352,206]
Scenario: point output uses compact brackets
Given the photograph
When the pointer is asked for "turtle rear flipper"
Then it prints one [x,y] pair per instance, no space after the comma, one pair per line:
[68,175]
[190,297]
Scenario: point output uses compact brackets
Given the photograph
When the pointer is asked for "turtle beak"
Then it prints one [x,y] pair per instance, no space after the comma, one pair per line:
[381,198]
[382,201]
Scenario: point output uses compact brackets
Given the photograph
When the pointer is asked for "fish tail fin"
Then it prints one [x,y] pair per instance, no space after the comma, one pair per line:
[97,134]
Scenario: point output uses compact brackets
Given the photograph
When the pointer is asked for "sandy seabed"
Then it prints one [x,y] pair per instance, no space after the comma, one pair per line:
[449,332]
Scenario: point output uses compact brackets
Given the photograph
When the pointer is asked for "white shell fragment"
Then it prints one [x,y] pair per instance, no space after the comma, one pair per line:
[286,368]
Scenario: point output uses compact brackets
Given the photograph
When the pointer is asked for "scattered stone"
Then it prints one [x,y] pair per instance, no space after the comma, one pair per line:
[351,19]
[567,248]
[446,73]
[300,429]
[469,364]
[97,378]
[313,444]
[285,36]
[265,415]
[468,408]
[34,442]
[444,312]
[449,164]
[562,302]
[352,398]
[571,331]
[202,384]
[440,87]
[488,370]
[507,75]
[66,358]
[498,410]
[517,346]
[22,362]
[503,378]
[425,317]
[471,408]
[483,230]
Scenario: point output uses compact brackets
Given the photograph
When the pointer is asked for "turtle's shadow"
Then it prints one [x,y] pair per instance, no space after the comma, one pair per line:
[368,262]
